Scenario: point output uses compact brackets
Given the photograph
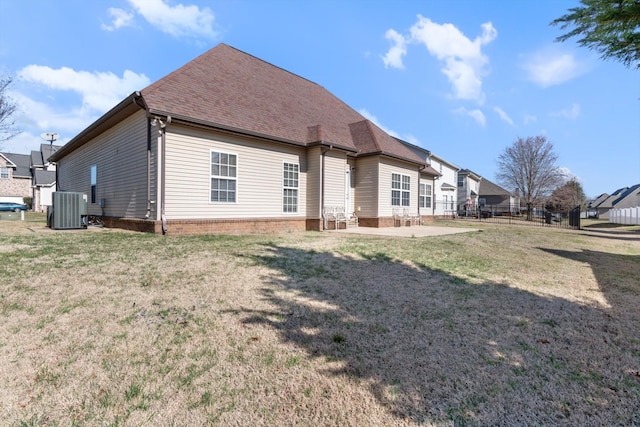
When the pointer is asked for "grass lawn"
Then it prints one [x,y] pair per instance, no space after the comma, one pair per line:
[508,325]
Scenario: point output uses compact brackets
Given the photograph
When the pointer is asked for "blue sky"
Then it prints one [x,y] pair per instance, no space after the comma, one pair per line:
[462,78]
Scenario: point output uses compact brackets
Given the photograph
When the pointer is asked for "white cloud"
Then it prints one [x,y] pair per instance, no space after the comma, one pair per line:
[568,113]
[504,116]
[546,68]
[476,115]
[39,116]
[121,18]
[53,112]
[465,64]
[393,58]
[178,20]
[99,91]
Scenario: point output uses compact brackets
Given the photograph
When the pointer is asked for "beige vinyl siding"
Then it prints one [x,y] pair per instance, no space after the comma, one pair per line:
[314,162]
[259,176]
[387,168]
[335,165]
[120,155]
[366,179]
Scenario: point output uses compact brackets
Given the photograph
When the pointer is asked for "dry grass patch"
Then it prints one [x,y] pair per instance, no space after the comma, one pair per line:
[507,326]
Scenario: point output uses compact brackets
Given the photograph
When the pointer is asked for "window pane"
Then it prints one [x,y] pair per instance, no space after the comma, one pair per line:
[395,198]
[395,180]
[405,199]
[406,182]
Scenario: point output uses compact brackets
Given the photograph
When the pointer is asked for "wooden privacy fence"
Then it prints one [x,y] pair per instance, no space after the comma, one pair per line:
[627,216]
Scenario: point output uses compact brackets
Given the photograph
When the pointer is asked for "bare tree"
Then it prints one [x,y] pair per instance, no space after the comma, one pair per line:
[567,196]
[7,108]
[529,167]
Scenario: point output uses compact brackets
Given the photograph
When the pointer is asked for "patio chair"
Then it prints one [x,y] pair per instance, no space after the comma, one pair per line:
[412,217]
[328,215]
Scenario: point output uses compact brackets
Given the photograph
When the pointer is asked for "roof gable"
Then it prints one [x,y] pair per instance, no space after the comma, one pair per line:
[626,193]
[488,188]
[227,87]
[230,89]
[21,162]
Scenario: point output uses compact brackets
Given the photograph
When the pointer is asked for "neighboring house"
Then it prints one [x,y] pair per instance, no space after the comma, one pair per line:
[468,190]
[28,175]
[428,200]
[15,177]
[44,176]
[630,198]
[231,143]
[496,199]
[446,190]
[602,208]
[592,210]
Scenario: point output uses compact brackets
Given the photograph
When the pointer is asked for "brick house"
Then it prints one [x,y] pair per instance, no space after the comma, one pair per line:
[28,176]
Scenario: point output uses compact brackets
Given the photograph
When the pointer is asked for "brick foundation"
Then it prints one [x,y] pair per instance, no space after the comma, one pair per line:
[133,224]
[236,226]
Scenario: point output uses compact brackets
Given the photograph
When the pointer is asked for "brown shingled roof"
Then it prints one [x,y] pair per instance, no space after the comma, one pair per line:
[488,188]
[230,89]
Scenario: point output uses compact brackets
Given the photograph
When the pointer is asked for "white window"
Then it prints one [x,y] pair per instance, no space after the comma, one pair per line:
[94,183]
[425,195]
[224,177]
[400,190]
[4,173]
[460,180]
[290,183]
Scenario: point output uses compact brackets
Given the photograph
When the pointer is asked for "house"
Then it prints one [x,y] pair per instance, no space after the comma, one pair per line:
[231,143]
[437,197]
[446,190]
[28,176]
[468,190]
[493,198]
[602,208]
[43,176]
[592,210]
[630,198]
[15,177]
[627,197]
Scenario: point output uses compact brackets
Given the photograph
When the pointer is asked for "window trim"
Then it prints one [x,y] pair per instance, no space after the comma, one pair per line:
[8,172]
[93,179]
[226,178]
[290,188]
[404,194]
[424,195]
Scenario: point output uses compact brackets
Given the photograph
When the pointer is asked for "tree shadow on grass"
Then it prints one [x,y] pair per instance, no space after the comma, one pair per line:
[436,349]
[618,277]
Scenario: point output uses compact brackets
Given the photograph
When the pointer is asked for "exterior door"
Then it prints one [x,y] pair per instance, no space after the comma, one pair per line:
[347,192]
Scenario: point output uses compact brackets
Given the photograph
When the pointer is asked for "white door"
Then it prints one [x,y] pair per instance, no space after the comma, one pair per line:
[347,193]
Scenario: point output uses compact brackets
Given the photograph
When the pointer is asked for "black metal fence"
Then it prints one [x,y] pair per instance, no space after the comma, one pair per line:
[537,215]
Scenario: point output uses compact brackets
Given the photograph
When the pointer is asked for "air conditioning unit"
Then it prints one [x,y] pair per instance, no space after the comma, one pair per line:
[68,211]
